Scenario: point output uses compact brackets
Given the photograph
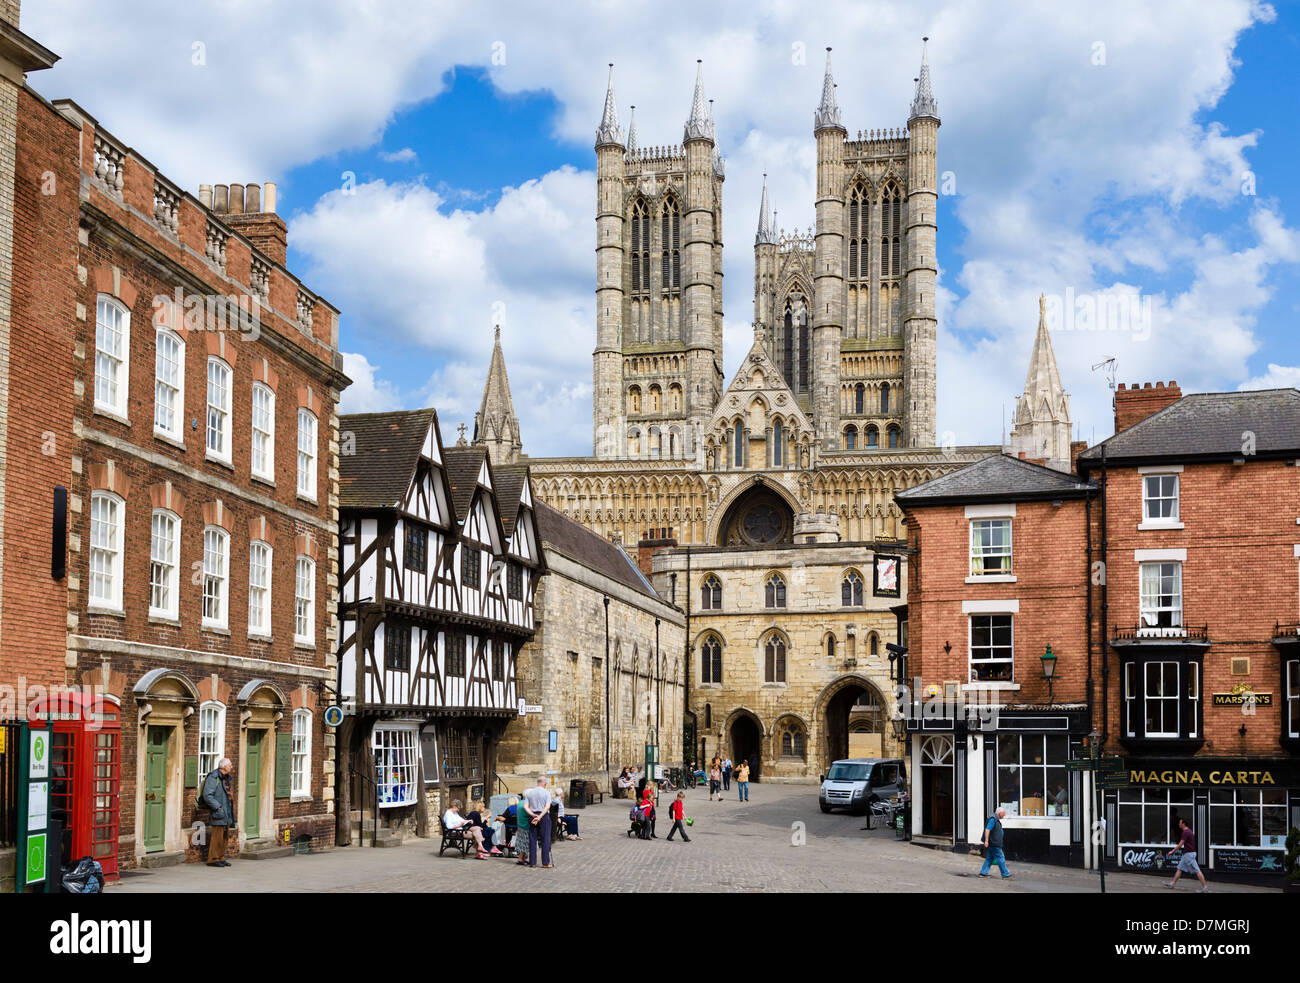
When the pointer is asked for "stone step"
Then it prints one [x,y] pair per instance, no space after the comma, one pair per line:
[154,861]
[265,850]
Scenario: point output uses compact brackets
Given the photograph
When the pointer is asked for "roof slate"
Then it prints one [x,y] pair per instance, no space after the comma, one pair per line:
[998,476]
[594,552]
[509,480]
[386,447]
[1210,424]
[463,465]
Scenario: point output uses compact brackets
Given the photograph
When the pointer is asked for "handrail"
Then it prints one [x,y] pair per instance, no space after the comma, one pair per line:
[1190,633]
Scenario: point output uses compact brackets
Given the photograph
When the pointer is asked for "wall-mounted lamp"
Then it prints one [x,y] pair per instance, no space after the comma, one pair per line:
[1049,669]
[1242,730]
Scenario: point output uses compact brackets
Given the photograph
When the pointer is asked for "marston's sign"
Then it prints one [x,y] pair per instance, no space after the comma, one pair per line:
[1243,699]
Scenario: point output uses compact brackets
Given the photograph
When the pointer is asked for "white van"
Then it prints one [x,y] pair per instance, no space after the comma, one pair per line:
[855,783]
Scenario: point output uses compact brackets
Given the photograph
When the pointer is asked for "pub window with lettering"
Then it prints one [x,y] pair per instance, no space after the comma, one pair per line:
[1032,780]
[1148,817]
[1248,817]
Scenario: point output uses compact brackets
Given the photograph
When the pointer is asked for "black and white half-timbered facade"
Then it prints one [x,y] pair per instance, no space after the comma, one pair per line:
[439,559]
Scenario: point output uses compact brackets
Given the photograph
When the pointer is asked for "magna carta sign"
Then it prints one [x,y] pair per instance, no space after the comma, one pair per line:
[1214,772]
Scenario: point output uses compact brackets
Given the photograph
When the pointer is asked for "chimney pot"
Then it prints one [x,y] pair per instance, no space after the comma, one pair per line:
[205,195]
[236,199]
[252,198]
[270,198]
[221,199]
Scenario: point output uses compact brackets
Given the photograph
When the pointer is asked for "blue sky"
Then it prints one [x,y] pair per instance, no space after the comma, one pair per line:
[435,165]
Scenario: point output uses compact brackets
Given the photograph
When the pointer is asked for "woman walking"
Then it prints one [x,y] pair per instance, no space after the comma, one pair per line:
[715,780]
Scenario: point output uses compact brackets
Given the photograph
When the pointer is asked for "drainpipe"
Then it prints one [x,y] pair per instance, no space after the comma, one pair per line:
[1105,572]
[686,688]
[606,686]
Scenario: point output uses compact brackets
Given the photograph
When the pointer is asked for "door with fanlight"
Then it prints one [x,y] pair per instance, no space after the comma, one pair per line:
[937,786]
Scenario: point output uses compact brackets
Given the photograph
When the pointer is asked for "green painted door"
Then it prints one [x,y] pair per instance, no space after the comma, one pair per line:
[253,784]
[155,787]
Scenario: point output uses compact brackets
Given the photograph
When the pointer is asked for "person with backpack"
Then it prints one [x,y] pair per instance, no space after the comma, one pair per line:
[993,845]
[218,798]
[675,812]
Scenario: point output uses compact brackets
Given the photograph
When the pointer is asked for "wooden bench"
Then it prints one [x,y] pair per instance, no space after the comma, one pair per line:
[594,794]
[456,839]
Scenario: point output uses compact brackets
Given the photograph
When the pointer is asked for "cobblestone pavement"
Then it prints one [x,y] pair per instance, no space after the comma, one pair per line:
[735,847]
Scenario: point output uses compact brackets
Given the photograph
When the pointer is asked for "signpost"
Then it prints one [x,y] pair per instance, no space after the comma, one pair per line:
[33,805]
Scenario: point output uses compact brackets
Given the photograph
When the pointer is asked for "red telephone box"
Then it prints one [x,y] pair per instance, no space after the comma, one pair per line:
[85,772]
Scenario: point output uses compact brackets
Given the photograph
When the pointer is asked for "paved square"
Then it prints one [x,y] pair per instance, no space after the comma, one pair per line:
[735,846]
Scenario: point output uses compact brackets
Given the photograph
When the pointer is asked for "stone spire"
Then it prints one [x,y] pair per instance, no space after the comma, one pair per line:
[495,425]
[698,126]
[609,131]
[765,234]
[631,133]
[713,135]
[923,104]
[828,113]
[1041,428]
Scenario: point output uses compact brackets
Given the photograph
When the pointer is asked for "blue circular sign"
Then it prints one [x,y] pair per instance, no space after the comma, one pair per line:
[334,716]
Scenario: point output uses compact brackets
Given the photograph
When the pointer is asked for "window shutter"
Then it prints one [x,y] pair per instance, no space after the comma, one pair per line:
[283,764]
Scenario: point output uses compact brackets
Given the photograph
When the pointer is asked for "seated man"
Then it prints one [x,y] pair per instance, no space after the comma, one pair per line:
[509,822]
[479,818]
[452,819]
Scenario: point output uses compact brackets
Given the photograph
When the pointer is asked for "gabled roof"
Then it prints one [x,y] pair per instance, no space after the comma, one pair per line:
[581,545]
[510,480]
[995,478]
[463,465]
[1214,425]
[774,389]
[385,450]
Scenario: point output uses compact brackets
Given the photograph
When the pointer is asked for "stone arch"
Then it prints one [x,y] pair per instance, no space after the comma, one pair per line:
[722,509]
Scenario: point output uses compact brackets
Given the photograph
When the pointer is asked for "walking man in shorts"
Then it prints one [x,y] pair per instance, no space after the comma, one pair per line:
[1187,862]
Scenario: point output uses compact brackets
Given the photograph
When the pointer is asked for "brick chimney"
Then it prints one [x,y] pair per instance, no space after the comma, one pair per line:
[1076,448]
[1133,404]
[252,214]
[656,540]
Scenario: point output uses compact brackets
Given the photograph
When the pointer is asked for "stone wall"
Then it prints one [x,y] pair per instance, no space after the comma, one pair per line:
[563,670]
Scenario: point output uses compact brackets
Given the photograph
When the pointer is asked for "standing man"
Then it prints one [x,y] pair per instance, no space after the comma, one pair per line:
[726,774]
[993,845]
[219,799]
[1187,862]
[742,782]
[537,803]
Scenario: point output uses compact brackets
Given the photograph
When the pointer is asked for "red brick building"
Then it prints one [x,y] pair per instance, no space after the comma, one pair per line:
[179,384]
[1199,537]
[999,590]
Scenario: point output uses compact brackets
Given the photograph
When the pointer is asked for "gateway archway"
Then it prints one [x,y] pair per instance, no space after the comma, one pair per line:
[746,739]
[850,705]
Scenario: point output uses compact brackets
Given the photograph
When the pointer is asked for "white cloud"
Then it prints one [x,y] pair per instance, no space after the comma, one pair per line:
[1071,174]
[366,394]
[1277,377]
[404,156]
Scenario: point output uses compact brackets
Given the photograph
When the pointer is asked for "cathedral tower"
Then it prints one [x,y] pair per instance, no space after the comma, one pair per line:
[828,264]
[657,370]
[495,425]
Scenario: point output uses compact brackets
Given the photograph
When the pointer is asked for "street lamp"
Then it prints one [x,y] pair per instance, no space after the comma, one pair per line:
[1049,669]
[900,728]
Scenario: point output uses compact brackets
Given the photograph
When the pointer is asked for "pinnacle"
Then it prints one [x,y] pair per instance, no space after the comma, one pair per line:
[923,104]
[828,113]
[698,126]
[609,130]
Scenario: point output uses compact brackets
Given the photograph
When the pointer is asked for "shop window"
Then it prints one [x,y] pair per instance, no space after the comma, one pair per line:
[395,765]
[1248,818]
[1032,780]
[1148,818]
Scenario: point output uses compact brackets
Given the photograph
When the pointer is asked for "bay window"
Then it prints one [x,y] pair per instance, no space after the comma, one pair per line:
[1291,708]
[395,764]
[1162,694]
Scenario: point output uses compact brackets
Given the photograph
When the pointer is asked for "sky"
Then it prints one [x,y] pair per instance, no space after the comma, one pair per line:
[436,167]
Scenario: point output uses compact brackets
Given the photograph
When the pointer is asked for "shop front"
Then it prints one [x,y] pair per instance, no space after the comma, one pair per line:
[1240,810]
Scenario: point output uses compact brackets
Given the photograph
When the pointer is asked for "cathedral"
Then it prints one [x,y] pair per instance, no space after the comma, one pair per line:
[763,506]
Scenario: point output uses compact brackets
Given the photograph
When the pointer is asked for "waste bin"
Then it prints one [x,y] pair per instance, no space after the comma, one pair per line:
[577,794]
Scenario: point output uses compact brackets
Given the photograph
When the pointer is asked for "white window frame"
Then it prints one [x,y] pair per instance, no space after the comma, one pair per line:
[170,581]
[300,755]
[215,583]
[266,473]
[977,560]
[1159,474]
[307,455]
[217,749]
[1236,806]
[173,426]
[970,648]
[1292,697]
[217,417]
[262,606]
[1154,610]
[395,775]
[1026,745]
[114,402]
[109,554]
[1146,800]
[1163,698]
[1131,705]
[304,604]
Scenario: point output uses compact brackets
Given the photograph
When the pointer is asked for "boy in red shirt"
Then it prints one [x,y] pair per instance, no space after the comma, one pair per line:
[675,813]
